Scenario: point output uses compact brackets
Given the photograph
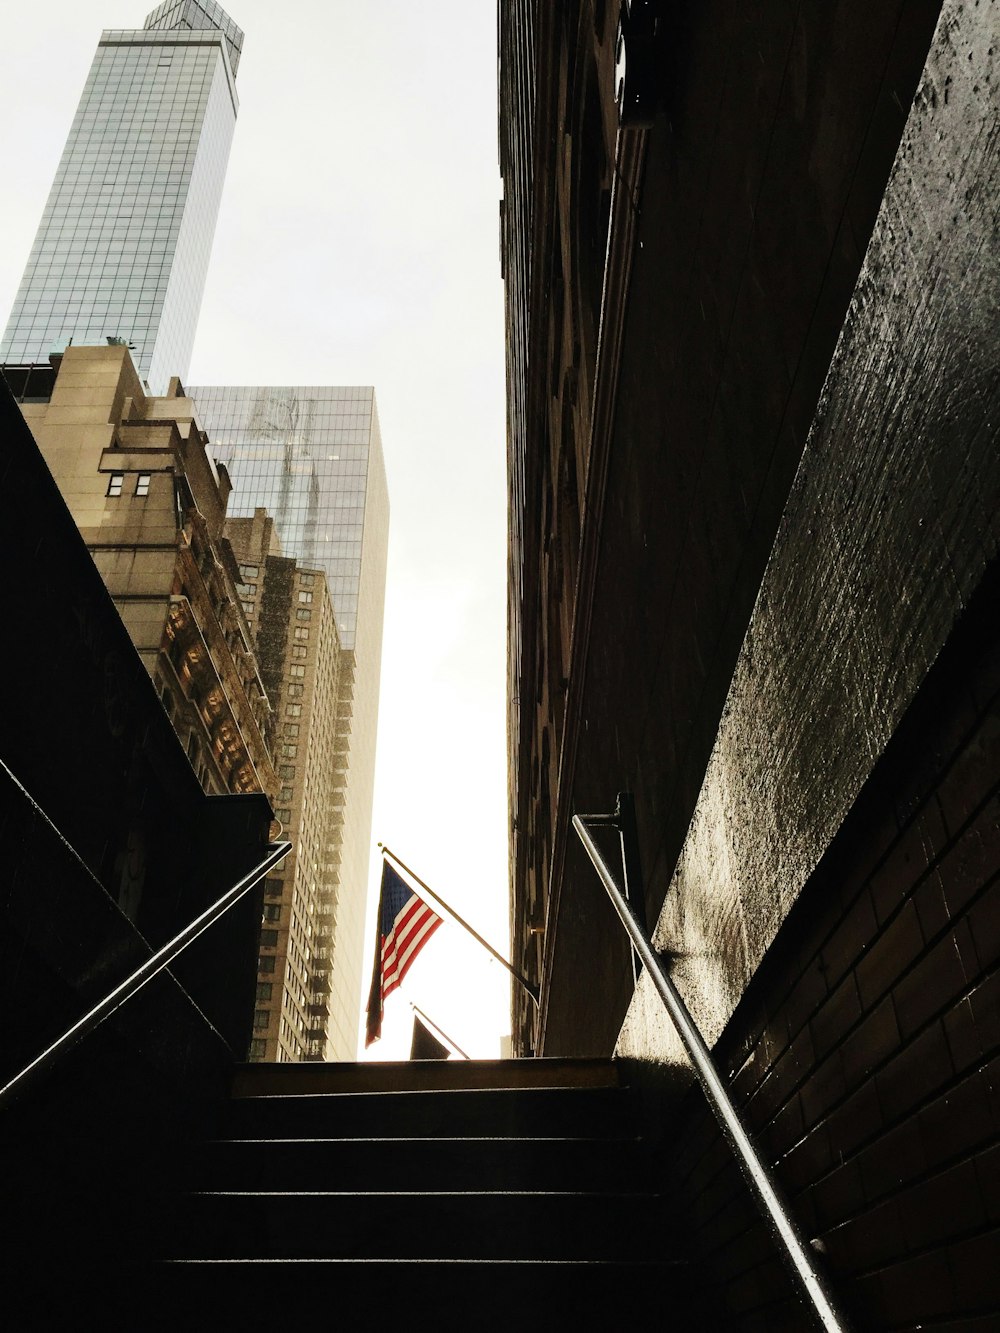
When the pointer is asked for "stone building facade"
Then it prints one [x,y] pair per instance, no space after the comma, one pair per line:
[150,505]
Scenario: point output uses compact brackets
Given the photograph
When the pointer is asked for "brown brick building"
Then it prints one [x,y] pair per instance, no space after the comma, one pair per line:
[753,567]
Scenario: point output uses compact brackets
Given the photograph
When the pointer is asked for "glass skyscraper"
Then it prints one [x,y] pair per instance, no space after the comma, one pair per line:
[123,246]
[312,456]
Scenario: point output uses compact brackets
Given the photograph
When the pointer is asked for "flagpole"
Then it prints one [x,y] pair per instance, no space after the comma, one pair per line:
[440,1031]
[522,981]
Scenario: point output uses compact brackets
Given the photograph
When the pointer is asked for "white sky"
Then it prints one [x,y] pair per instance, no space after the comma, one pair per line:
[358,244]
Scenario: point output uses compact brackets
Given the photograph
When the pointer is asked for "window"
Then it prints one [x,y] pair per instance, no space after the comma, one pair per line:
[307,581]
[269,939]
[261,1018]
[299,650]
[301,633]
[287,772]
[142,483]
[301,614]
[249,571]
[258,1046]
[295,691]
[265,989]
[116,482]
[266,963]
[272,911]
[289,751]
[305,597]
[284,816]
[291,729]
[293,710]
[247,609]
[273,888]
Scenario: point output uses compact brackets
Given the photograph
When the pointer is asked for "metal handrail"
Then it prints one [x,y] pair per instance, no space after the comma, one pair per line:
[122,993]
[761,1180]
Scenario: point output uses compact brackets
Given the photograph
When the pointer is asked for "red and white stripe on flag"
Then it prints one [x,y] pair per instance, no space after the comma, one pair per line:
[413,926]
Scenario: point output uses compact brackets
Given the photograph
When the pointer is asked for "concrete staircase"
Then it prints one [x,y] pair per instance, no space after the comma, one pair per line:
[489,1193]
[461,1195]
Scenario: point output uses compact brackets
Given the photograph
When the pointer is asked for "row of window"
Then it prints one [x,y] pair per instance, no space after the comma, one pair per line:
[116,483]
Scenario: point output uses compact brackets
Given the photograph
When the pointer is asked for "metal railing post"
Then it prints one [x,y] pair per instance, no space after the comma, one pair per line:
[763,1184]
[632,881]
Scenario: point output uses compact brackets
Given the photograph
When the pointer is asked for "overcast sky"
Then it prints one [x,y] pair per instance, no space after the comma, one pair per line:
[358,244]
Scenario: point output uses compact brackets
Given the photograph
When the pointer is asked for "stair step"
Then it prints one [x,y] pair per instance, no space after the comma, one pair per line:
[554,1112]
[421,1226]
[415,1164]
[259,1080]
[449,1296]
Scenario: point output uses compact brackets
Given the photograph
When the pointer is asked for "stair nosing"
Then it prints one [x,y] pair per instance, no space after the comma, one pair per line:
[423,1139]
[423,1194]
[547,1263]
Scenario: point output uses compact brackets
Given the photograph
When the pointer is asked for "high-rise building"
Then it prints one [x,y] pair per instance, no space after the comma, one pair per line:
[313,457]
[304,1007]
[124,242]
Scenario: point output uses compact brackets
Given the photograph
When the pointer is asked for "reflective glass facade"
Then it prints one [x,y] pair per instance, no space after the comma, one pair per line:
[312,456]
[303,454]
[124,242]
[199,15]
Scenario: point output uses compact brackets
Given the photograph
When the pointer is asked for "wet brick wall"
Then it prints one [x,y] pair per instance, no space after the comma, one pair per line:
[866,1052]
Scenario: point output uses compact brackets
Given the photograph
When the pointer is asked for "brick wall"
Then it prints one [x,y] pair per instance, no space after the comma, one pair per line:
[866,1052]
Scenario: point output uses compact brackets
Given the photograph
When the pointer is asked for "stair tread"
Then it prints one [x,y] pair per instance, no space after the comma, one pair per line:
[443,1140]
[465,1223]
[584,1198]
[507,1113]
[647,1264]
[432,1163]
[250,1079]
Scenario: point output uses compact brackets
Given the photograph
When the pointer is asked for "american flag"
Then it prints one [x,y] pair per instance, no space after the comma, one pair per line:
[405,924]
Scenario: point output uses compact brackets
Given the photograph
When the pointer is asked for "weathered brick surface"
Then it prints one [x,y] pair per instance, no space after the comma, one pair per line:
[866,1053]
